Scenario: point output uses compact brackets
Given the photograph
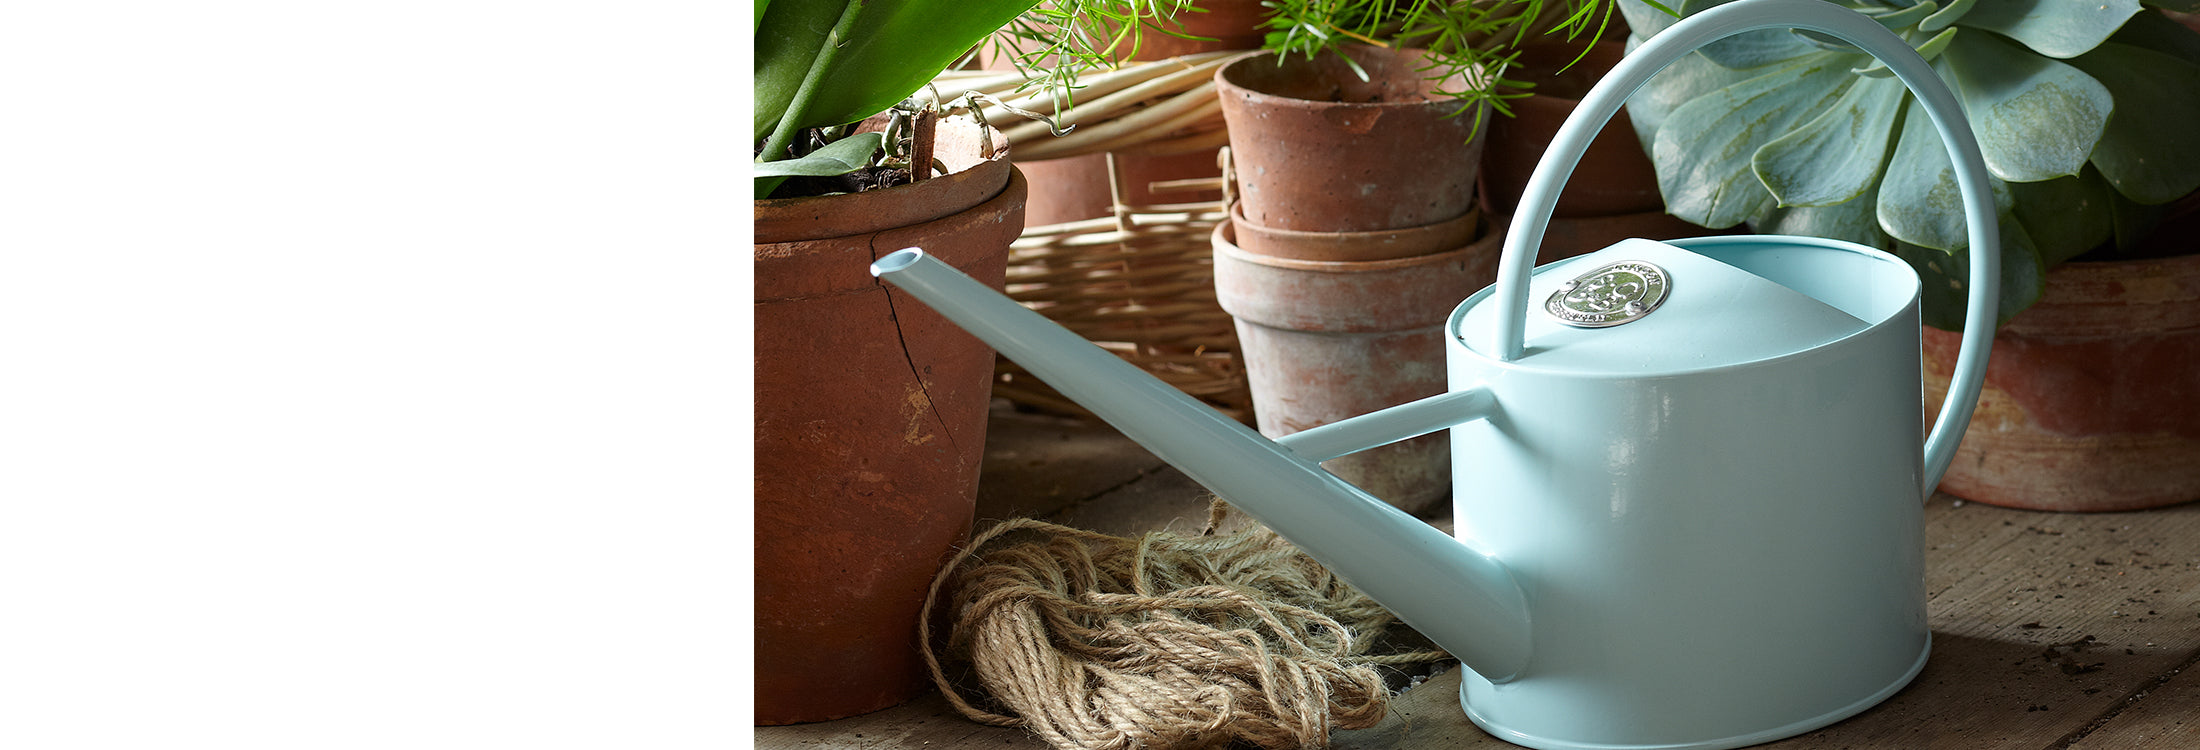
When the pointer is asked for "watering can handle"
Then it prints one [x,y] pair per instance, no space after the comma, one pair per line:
[1980,213]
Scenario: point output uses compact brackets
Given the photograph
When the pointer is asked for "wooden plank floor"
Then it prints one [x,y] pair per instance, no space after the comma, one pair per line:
[2049,630]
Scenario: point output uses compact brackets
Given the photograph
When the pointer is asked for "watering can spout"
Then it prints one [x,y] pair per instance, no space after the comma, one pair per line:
[1465,601]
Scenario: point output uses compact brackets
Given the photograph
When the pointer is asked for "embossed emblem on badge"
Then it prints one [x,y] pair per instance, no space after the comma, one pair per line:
[1606,297]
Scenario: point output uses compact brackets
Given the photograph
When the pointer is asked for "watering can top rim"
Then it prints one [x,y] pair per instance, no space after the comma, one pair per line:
[1734,302]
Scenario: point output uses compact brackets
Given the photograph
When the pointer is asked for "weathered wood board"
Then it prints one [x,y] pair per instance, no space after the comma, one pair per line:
[2050,631]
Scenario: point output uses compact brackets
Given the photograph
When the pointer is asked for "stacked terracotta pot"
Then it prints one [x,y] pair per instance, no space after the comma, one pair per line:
[1354,235]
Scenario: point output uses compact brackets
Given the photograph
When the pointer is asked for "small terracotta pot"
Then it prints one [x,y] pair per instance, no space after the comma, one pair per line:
[1319,150]
[870,428]
[2089,402]
[1385,244]
[1614,176]
[1222,24]
[1323,341]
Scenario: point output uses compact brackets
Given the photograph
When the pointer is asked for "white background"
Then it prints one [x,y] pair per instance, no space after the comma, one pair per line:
[373,375]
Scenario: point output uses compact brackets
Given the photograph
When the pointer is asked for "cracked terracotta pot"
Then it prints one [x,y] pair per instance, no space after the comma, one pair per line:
[870,426]
[1317,149]
[1328,340]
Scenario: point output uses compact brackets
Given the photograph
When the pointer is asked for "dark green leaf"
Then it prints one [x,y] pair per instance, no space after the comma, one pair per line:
[2133,221]
[837,158]
[2055,28]
[2036,118]
[1946,279]
[1837,156]
[1703,150]
[2181,6]
[2156,32]
[893,49]
[2065,217]
[2149,151]
[788,37]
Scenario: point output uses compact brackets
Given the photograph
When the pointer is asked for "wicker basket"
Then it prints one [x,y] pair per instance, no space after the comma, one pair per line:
[1139,283]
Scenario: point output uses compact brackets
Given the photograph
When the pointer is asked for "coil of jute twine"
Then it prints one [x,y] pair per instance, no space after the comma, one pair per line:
[1093,642]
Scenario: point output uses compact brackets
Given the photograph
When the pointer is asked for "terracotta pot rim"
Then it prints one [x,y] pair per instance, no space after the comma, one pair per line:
[1227,75]
[1225,243]
[1389,244]
[977,180]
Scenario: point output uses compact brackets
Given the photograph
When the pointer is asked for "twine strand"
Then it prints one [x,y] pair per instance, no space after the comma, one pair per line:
[1096,642]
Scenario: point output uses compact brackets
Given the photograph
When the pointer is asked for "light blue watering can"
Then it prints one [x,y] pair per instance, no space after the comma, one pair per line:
[1689,481]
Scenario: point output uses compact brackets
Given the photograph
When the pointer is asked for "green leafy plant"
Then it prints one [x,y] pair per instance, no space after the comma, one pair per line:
[823,65]
[1470,40]
[2084,112]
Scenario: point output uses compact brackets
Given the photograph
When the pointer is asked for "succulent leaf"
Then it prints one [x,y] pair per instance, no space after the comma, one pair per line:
[1837,156]
[1946,16]
[1919,201]
[1687,78]
[2036,118]
[2055,28]
[2148,152]
[2067,216]
[1703,149]
[1903,18]
[1854,221]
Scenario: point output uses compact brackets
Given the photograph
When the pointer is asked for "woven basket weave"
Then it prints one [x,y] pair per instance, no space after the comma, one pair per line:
[1139,283]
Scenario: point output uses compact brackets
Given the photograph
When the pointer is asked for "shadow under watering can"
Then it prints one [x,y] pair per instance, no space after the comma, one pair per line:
[1690,481]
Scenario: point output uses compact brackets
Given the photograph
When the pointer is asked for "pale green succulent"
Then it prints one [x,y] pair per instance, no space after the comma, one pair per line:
[2087,113]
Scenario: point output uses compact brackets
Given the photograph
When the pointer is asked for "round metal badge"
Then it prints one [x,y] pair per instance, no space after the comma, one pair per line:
[1619,293]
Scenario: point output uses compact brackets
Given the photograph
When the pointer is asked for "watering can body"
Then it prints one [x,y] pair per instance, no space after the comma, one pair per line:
[1725,554]
[1689,486]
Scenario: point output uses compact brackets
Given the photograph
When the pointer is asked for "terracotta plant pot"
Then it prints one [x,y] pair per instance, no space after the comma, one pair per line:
[870,426]
[1077,187]
[1615,177]
[1385,244]
[1323,341]
[2089,402]
[1319,150]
